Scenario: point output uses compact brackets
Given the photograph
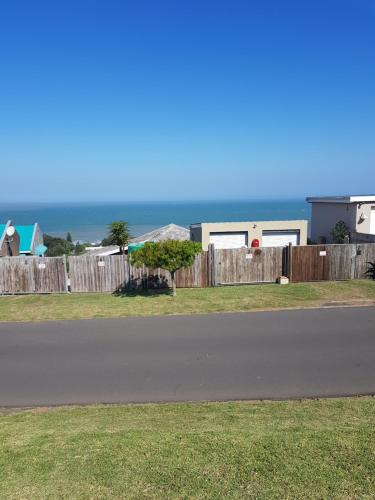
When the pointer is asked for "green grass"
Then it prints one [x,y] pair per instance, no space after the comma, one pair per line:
[301,450]
[188,301]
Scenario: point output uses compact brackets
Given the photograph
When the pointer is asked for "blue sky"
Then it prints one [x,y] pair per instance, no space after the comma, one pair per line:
[182,100]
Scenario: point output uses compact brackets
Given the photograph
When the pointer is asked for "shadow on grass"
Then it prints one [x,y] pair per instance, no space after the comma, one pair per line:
[150,286]
[150,294]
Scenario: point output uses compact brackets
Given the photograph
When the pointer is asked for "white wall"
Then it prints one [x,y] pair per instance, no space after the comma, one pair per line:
[364,226]
[324,216]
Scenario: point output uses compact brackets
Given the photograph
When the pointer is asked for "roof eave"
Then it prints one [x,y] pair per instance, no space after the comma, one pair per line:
[341,199]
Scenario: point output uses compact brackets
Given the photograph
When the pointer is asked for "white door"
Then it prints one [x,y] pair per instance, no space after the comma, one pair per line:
[372,221]
[279,238]
[228,240]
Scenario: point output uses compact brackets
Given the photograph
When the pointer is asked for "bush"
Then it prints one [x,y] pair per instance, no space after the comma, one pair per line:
[170,255]
[340,232]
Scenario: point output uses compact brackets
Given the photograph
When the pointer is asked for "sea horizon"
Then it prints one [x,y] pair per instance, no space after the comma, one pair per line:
[88,220]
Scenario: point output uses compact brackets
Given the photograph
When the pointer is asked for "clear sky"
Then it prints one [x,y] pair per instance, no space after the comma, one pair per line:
[195,99]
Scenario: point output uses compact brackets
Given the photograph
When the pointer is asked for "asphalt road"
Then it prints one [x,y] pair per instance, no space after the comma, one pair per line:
[264,355]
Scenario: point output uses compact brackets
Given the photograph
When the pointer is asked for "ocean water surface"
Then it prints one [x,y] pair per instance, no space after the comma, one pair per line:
[89,221]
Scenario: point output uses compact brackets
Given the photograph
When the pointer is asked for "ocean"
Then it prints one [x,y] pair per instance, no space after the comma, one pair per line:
[88,222]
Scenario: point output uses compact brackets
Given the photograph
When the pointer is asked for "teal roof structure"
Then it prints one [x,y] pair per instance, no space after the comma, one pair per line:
[26,237]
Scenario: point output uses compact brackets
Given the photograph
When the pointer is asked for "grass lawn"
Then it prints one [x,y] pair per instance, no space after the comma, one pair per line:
[188,301]
[310,449]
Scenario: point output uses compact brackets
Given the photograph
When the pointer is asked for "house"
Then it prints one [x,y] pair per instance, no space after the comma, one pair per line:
[169,232]
[9,240]
[31,237]
[247,234]
[358,213]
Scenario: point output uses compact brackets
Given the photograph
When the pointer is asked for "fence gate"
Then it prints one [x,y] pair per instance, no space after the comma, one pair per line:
[248,265]
[322,263]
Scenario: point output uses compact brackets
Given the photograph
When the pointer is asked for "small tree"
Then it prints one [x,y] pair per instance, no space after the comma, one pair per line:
[340,232]
[79,249]
[119,234]
[170,255]
[57,246]
[69,237]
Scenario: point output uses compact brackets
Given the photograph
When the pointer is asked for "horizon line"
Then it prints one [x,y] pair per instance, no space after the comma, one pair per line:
[115,202]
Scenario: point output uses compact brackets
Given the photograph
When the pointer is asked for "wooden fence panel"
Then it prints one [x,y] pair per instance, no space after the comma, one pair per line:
[196,276]
[32,275]
[248,265]
[341,259]
[365,253]
[114,273]
[89,273]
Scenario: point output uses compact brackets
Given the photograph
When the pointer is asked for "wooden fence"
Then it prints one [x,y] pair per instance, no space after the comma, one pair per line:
[216,267]
[32,275]
[330,262]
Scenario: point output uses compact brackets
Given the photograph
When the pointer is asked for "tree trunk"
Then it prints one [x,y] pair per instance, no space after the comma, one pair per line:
[173,278]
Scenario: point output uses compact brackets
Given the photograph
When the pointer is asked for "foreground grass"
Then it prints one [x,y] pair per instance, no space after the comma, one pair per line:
[309,449]
[188,301]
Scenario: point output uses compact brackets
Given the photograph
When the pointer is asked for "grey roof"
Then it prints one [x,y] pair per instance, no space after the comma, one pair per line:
[170,232]
[102,251]
[359,198]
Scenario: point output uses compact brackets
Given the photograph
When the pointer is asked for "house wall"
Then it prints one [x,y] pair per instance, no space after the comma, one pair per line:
[254,229]
[11,249]
[196,232]
[324,216]
[364,226]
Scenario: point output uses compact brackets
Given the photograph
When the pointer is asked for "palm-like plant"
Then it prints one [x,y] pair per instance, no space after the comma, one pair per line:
[119,234]
[371,270]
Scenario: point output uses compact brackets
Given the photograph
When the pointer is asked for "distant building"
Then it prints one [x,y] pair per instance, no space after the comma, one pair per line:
[169,232]
[101,251]
[9,240]
[247,234]
[358,213]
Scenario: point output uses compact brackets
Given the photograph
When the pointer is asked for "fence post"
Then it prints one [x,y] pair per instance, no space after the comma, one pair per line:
[353,270]
[290,263]
[126,262]
[66,276]
[211,265]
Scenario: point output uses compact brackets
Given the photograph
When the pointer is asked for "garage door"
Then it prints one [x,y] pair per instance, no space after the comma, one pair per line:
[229,240]
[279,238]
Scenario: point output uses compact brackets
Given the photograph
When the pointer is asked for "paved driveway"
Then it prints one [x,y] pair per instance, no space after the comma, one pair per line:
[288,354]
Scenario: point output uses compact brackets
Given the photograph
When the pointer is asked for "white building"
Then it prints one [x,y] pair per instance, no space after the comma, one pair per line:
[358,213]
